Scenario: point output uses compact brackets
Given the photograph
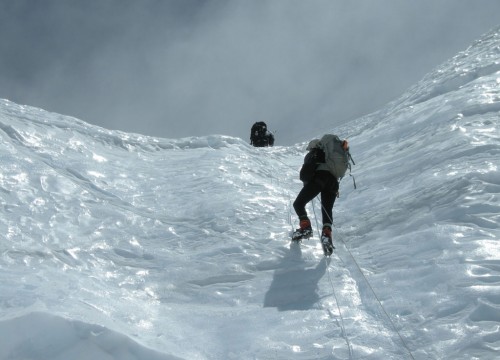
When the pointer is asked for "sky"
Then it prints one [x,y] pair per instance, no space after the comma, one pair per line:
[182,68]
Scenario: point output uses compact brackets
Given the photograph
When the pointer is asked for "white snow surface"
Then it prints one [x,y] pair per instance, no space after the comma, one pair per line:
[122,246]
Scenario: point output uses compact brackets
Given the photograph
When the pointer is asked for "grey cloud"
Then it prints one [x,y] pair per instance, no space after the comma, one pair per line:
[190,67]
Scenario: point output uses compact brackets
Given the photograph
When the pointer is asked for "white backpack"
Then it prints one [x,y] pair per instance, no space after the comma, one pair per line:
[336,158]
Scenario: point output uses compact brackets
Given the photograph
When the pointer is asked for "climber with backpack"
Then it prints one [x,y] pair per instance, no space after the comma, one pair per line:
[260,136]
[324,166]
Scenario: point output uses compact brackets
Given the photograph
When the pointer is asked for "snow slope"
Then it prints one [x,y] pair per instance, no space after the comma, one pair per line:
[122,246]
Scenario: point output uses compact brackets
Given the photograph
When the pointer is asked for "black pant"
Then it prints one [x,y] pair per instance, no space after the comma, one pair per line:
[325,183]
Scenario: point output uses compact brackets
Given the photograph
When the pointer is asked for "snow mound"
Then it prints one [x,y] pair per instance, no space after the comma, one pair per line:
[40,335]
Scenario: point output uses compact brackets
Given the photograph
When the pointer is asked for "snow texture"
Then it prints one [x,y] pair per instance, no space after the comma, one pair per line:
[122,246]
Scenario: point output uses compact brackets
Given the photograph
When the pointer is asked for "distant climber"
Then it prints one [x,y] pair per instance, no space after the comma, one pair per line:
[260,136]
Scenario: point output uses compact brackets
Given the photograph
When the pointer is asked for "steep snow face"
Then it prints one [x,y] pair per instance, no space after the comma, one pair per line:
[118,245]
[425,221]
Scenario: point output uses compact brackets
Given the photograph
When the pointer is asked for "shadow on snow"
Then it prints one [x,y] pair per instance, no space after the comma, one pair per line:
[295,285]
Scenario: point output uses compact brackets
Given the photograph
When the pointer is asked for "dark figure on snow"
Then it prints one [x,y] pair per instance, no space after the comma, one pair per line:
[324,165]
[259,136]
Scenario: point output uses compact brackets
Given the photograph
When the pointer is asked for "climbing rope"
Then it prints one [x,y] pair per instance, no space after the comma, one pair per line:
[369,285]
[342,326]
[403,342]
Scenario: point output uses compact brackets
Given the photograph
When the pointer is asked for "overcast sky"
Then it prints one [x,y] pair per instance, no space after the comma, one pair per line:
[176,68]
